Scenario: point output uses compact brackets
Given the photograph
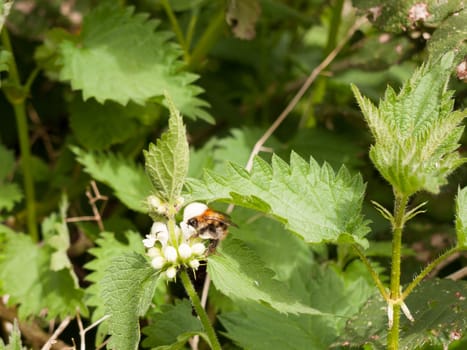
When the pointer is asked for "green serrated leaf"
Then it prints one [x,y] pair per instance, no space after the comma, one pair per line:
[7,160]
[450,36]
[461,217]
[416,132]
[107,248]
[127,289]
[98,126]
[10,194]
[256,326]
[239,273]
[167,161]
[169,326]
[127,179]
[314,202]
[39,287]
[120,57]
[438,307]
[14,340]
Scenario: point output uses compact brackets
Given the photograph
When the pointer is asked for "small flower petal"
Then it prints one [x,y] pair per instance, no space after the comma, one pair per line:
[149,241]
[188,231]
[171,272]
[198,248]
[170,254]
[158,262]
[184,250]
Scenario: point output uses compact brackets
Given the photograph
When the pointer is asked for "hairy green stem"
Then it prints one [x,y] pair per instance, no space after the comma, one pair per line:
[215,345]
[400,205]
[176,28]
[427,270]
[17,98]
[373,273]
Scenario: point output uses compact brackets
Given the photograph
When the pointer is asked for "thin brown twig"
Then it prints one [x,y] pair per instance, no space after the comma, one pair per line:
[41,132]
[82,331]
[311,78]
[93,198]
[53,339]
[459,274]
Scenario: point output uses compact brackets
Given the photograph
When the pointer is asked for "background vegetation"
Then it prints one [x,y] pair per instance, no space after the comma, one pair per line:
[83,95]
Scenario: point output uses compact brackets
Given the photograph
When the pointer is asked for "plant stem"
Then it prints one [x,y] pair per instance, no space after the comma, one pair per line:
[426,271]
[207,40]
[373,273]
[17,99]
[176,28]
[400,205]
[214,342]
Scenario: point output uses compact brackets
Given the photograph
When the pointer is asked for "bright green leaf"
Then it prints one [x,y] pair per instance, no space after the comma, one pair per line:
[120,57]
[127,289]
[98,126]
[167,161]
[239,273]
[26,276]
[9,195]
[312,201]
[128,180]
[257,326]
[416,132]
[461,217]
[170,324]
[107,248]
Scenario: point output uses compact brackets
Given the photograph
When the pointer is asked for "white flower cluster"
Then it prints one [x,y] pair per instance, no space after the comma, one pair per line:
[170,252]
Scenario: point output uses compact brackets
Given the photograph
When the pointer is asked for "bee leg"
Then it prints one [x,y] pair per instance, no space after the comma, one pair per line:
[212,246]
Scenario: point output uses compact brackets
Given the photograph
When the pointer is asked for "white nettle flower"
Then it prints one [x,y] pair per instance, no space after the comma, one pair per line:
[159,229]
[193,209]
[153,252]
[158,262]
[187,230]
[184,250]
[198,248]
[171,272]
[170,254]
[149,241]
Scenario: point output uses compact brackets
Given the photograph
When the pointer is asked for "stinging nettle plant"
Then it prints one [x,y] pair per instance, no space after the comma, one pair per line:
[416,136]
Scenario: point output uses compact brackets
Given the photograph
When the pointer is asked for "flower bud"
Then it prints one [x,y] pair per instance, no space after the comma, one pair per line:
[158,262]
[170,254]
[198,248]
[194,264]
[153,252]
[184,251]
[171,272]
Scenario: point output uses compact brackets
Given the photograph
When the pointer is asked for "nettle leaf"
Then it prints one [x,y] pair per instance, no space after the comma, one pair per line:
[167,161]
[461,217]
[120,57]
[438,307]
[10,193]
[39,287]
[98,126]
[107,248]
[313,202]
[257,326]
[240,274]
[450,36]
[416,132]
[14,339]
[170,326]
[127,289]
[127,179]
